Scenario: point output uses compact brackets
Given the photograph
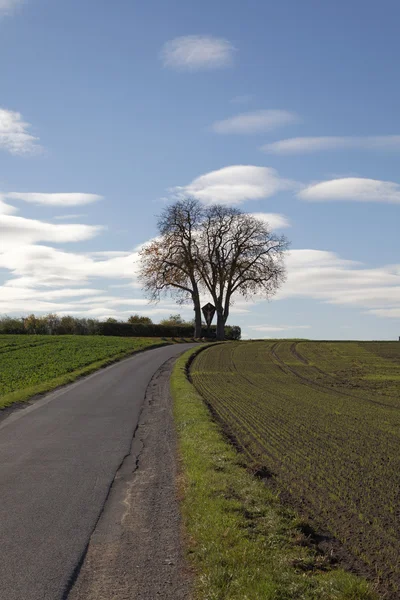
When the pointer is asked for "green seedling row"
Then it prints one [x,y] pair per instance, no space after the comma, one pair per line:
[324,419]
[29,361]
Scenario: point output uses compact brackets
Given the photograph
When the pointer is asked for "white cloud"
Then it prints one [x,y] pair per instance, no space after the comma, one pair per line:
[324,276]
[85,302]
[235,184]
[112,301]
[6,209]
[257,121]
[302,145]
[391,313]
[272,328]
[67,217]
[311,258]
[61,199]
[40,265]
[110,253]
[371,296]
[15,231]
[14,135]
[356,189]
[11,293]
[7,6]
[195,52]
[275,220]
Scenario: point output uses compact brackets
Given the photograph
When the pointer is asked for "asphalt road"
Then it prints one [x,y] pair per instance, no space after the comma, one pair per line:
[58,459]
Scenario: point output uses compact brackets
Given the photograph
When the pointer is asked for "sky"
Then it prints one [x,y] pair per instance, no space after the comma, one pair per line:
[111,110]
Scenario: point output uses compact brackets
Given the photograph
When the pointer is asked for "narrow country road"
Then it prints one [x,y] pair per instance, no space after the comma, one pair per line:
[58,459]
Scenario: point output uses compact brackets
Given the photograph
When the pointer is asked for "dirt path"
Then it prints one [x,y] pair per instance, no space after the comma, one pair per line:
[135,551]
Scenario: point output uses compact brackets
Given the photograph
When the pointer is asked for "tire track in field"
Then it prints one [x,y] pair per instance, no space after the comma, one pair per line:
[310,383]
[296,353]
[12,348]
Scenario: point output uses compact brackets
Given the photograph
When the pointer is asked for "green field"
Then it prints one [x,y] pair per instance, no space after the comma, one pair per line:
[32,364]
[323,420]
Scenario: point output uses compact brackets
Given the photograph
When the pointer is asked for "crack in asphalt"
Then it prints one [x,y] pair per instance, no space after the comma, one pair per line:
[137,534]
[77,569]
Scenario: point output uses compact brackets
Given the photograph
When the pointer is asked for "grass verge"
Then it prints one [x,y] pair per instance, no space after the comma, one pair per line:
[242,543]
[27,393]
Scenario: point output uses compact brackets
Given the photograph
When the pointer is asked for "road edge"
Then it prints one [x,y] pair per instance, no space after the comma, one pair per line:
[150,434]
[49,391]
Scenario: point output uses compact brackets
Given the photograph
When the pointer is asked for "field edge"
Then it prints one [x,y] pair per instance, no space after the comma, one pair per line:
[240,540]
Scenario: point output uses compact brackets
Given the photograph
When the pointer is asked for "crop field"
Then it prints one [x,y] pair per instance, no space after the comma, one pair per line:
[29,364]
[323,419]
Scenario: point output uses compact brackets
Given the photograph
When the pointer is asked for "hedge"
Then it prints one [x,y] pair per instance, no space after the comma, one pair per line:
[232,332]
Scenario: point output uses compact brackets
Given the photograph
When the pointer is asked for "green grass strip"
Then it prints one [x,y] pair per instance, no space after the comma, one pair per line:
[25,394]
[243,545]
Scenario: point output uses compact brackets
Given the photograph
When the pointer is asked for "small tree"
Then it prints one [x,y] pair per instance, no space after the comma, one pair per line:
[168,263]
[238,255]
[67,325]
[173,320]
[52,321]
[135,319]
[12,325]
[35,325]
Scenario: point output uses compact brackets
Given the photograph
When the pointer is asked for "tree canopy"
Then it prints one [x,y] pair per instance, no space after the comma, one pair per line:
[134,319]
[168,263]
[217,250]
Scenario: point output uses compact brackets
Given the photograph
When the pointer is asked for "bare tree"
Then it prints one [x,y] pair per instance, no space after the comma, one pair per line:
[238,254]
[169,263]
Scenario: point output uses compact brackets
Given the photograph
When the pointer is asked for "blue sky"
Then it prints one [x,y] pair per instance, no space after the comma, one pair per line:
[289,109]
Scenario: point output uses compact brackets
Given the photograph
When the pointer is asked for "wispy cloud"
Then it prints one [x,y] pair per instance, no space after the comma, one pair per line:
[323,275]
[6,209]
[355,189]
[69,217]
[7,6]
[257,121]
[275,220]
[391,313]
[303,145]
[16,231]
[61,199]
[195,52]
[14,134]
[235,184]
[42,265]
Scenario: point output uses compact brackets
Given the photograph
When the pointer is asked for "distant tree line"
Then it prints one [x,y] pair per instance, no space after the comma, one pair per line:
[136,325]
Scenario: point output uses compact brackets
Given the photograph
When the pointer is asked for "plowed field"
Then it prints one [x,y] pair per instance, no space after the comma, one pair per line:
[324,419]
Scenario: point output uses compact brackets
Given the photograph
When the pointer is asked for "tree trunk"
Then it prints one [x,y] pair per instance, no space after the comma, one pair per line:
[220,326]
[197,316]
